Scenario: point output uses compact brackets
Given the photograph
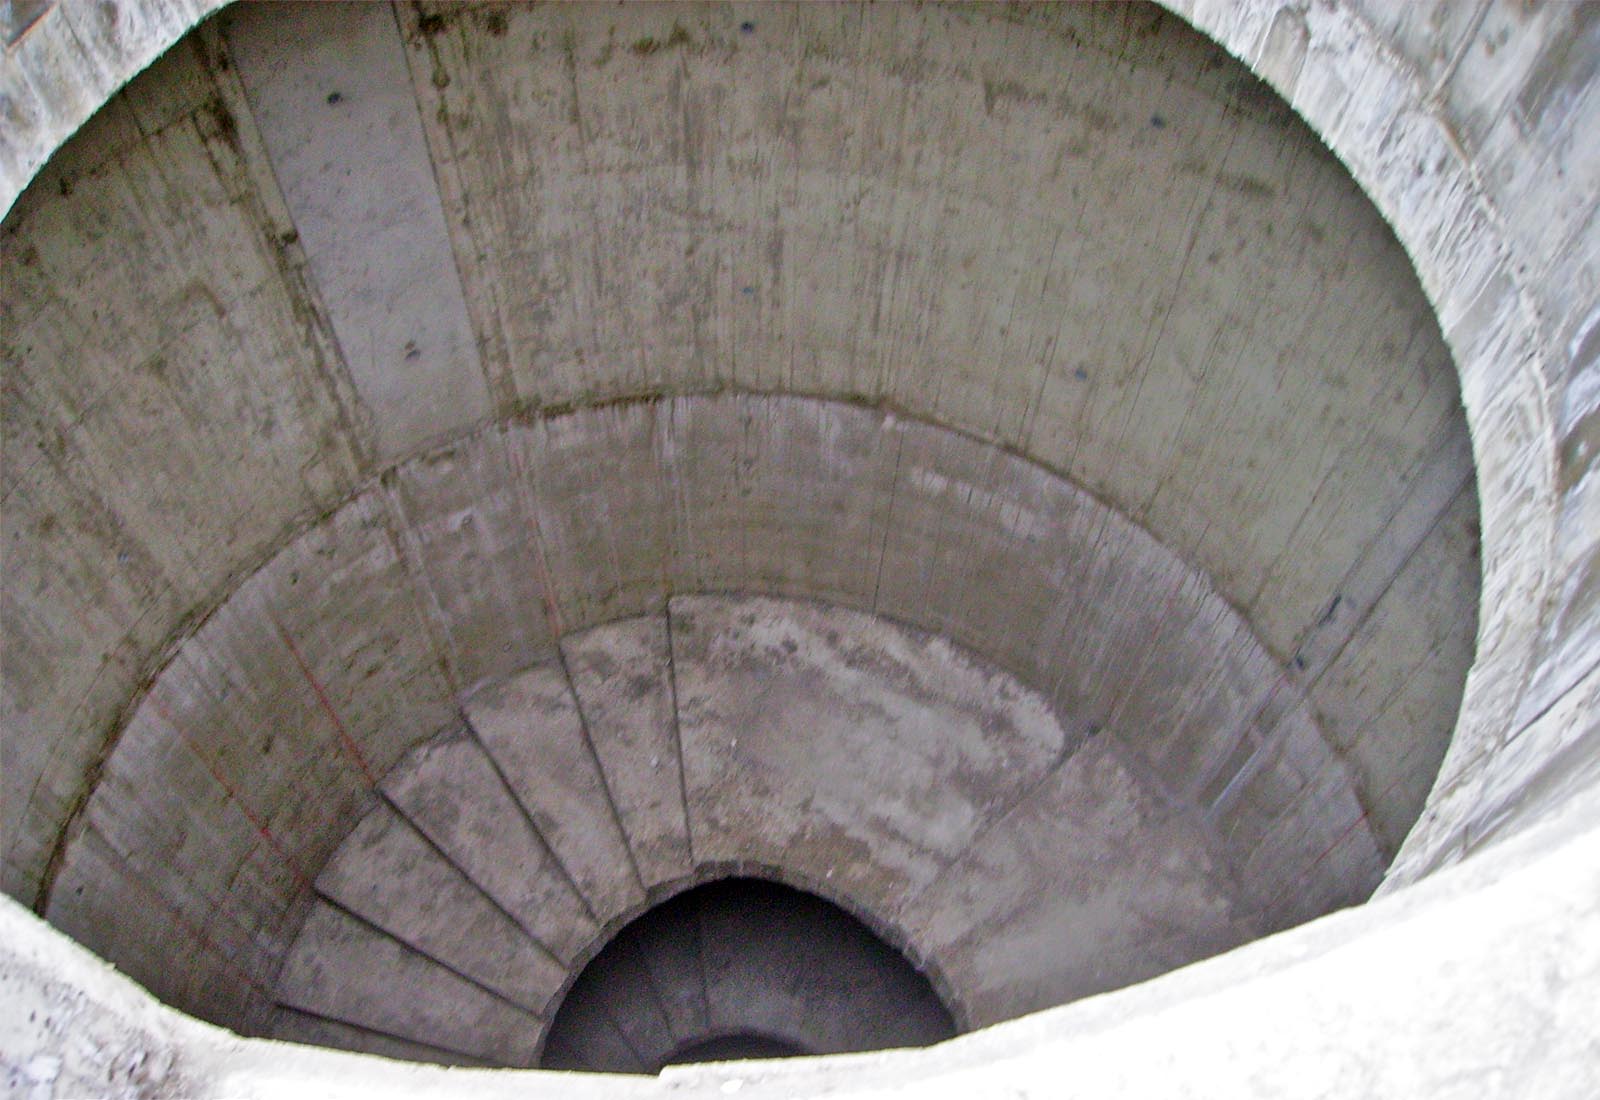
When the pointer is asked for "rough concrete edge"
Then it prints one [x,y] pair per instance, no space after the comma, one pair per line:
[55,76]
[1363,101]
[67,993]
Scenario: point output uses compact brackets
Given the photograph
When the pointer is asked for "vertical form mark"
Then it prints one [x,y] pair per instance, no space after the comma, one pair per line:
[677,735]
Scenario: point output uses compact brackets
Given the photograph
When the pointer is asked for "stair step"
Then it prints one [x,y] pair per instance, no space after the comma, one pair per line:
[530,725]
[450,790]
[294,1026]
[387,873]
[345,969]
[622,678]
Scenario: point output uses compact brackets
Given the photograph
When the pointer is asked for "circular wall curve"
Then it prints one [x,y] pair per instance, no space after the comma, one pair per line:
[1450,171]
[303,691]
[1177,407]
[1021,858]
[1453,216]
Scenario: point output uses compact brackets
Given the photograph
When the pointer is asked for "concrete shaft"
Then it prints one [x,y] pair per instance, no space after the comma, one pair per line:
[376,375]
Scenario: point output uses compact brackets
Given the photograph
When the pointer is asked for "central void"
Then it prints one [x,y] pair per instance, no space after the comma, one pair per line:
[741,968]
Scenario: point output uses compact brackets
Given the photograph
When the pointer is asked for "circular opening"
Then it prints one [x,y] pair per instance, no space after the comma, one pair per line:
[741,968]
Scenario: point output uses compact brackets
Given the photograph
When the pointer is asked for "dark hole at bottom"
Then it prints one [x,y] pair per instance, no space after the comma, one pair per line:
[741,968]
[740,1046]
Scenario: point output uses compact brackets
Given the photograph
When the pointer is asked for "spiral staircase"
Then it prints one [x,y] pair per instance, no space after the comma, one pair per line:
[983,482]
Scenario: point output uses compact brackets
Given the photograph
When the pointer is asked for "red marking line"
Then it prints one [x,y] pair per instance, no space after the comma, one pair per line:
[351,749]
[195,932]
[232,793]
[1338,840]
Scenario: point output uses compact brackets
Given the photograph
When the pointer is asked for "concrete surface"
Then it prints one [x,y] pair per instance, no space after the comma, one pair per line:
[387,861]
[1280,531]
[1019,861]
[1208,717]
[345,969]
[925,223]
[622,673]
[533,728]
[457,796]
[1476,983]
[770,962]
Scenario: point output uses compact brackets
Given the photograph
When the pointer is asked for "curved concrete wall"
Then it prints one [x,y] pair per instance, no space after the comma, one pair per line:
[341,653]
[1449,130]
[1308,466]
[1451,121]
[1020,865]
